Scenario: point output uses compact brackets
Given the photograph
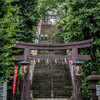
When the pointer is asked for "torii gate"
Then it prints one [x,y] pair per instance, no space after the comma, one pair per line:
[51,48]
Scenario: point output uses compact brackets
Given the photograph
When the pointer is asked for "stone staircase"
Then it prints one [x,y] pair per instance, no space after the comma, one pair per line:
[51,77]
[42,80]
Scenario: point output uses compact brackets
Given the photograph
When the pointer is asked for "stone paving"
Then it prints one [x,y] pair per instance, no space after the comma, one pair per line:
[51,99]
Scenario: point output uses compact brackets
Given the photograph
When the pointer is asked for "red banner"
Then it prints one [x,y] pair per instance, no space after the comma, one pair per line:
[15,78]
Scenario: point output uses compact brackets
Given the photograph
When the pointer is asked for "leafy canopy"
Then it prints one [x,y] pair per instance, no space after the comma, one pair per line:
[18,20]
[8,23]
[82,22]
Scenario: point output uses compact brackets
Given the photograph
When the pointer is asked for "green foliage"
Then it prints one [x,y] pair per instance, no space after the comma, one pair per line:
[50,5]
[29,17]
[8,23]
[17,22]
[82,22]
[46,5]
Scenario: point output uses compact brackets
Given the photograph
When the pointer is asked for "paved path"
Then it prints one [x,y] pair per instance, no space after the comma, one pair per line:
[51,99]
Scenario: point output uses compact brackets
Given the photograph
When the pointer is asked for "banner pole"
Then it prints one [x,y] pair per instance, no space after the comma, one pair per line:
[13,96]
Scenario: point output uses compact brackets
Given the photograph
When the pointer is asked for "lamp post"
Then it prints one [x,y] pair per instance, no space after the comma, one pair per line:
[77,71]
[24,70]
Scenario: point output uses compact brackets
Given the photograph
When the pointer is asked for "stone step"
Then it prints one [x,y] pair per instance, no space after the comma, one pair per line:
[51,99]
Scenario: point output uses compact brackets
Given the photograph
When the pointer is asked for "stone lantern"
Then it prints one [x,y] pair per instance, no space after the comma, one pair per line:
[24,90]
[93,82]
[77,67]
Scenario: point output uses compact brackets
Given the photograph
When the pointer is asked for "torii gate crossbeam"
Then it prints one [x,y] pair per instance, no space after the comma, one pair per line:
[51,48]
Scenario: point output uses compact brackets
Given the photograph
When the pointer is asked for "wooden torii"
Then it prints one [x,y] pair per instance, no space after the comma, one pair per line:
[51,48]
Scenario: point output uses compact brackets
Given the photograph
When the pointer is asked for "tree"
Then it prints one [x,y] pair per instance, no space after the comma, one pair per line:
[50,5]
[29,17]
[17,22]
[81,23]
[8,23]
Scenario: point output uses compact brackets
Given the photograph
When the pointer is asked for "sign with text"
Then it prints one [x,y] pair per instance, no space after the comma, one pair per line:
[3,91]
[98,90]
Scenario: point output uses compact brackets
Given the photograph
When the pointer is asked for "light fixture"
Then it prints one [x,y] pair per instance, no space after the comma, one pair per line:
[24,68]
[78,68]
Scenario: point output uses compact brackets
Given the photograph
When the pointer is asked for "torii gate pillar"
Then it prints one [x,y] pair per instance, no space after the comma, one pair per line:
[51,48]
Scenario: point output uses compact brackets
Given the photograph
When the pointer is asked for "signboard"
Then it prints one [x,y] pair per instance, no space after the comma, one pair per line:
[72,71]
[98,90]
[3,91]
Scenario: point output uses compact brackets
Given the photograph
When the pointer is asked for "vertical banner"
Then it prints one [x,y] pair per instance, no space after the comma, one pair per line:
[39,30]
[40,25]
[34,62]
[40,22]
[15,80]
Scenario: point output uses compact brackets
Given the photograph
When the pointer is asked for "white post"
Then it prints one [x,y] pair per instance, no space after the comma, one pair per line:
[3,91]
